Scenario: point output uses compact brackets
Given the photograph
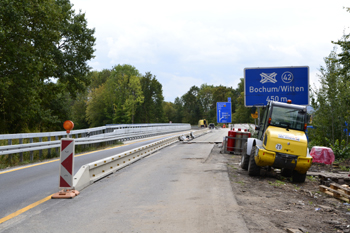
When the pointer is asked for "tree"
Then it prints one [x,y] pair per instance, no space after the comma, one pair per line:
[151,110]
[178,105]
[98,78]
[169,111]
[206,99]
[134,97]
[242,113]
[125,93]
[97,107]
[40,41]
[344,56]
[329,117]
[191,106]
[78,111]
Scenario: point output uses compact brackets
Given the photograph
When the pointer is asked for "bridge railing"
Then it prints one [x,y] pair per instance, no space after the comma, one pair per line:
[106,133]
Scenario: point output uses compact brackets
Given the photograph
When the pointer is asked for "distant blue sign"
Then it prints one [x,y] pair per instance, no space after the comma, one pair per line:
[276,84]
[229,99]
[223,112]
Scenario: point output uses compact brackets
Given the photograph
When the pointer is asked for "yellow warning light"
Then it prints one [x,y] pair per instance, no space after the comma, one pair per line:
[254,115]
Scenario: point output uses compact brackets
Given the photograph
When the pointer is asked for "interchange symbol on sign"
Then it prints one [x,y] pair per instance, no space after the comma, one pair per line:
[268,77]
[222,115]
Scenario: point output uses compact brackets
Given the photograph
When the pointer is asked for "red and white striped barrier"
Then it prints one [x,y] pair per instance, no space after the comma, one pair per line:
[66,170]
[67,163]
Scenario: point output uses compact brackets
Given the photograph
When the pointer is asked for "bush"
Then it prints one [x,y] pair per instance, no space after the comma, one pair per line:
[340,150]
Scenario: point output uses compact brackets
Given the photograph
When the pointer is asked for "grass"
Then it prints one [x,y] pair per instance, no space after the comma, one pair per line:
[277,183]
[240,182]
[343,168]
[311,178]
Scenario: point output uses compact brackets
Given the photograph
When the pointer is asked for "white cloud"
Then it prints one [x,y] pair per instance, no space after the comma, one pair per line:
[196,42]
[176,86]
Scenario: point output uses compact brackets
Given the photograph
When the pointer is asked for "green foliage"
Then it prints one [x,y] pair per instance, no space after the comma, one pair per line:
[277,183]
[191,107]
[41,41]
[341,150]
[98,78]
[169,111]
[123,95]
[330,101]
[78,111]
[242,113]
[344,56]
[125,92]
[329,115]
[151,109]
[134,97]
[200,103]
[178,105]
[311,178]
[96,109]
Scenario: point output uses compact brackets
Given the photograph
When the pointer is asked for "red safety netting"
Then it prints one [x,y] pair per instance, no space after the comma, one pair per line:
[322,155]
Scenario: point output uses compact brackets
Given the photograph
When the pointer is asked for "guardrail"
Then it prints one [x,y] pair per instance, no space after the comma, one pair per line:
[94,171]
[87,136]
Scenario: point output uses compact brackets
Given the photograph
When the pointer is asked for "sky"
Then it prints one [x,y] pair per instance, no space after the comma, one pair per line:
[189,42]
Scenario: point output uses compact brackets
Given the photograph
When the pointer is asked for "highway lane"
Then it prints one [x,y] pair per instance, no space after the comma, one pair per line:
[181,188]
[21,188]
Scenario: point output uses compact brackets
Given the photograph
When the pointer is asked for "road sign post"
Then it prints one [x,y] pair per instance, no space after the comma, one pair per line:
[276,84]
[223,112]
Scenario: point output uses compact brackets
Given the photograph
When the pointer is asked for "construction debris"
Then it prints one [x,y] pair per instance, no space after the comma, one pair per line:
[338,191]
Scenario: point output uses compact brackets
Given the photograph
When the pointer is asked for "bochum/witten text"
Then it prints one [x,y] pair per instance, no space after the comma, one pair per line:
[276,89]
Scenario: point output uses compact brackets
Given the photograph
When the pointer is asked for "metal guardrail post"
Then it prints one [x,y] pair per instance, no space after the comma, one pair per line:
[21,154]
[31,153]
[40,151]
[49,150]
[56,138]
[10,156]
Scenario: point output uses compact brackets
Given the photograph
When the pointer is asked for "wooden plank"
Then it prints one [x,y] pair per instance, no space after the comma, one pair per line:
[339,187]
[290,230]
[333,175]
[335,193]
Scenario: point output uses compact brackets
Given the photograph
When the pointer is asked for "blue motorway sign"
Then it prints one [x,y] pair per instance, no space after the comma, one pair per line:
[223,112]
[276,84]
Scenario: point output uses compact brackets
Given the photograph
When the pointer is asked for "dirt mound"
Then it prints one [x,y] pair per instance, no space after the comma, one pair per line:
[272,203]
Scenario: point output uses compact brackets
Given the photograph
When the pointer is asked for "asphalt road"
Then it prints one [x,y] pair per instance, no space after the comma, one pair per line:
[181,188]
[21,188]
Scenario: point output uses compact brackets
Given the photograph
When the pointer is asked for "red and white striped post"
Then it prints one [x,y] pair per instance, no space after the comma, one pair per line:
[67,163]
[66,166]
